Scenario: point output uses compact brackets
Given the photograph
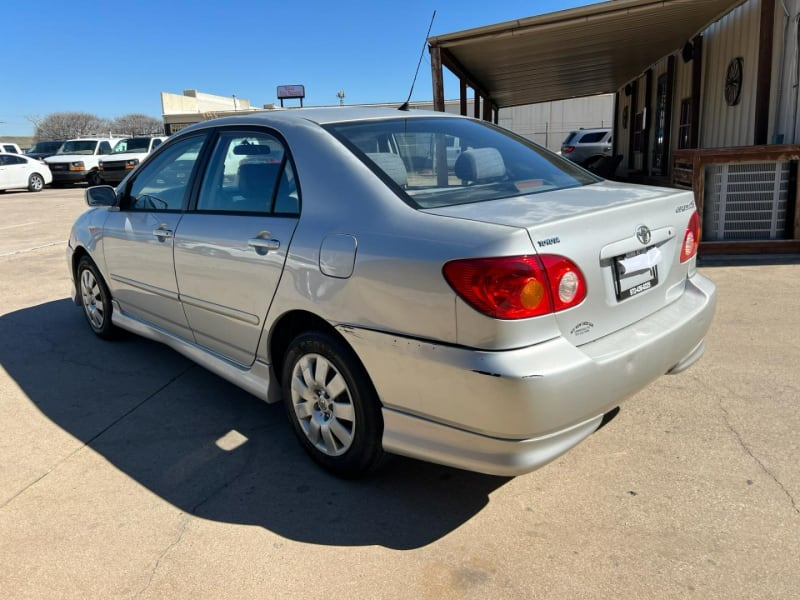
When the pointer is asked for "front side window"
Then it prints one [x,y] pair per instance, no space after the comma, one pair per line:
[162,183]
[249,172]
[412,154]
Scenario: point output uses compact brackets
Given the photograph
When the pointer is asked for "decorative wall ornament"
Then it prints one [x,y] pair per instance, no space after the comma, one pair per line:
[733,81]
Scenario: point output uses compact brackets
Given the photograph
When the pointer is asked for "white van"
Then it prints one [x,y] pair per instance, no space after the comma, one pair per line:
[10,148]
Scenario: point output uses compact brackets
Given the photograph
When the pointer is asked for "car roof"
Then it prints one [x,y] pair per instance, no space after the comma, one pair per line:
[320,116]
[591,130]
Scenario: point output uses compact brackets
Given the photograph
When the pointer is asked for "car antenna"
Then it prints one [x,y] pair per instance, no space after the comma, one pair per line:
[404,105]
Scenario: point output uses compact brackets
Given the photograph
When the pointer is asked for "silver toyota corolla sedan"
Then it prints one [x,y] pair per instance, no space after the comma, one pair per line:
[485,310]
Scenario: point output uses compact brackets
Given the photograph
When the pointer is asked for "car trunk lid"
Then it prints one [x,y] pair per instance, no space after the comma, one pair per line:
[625,239]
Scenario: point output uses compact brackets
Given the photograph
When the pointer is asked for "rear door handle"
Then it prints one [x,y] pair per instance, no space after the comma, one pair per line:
[162,233]
[263,245]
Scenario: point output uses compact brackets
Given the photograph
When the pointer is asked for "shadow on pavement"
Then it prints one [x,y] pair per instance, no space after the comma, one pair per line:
[213,450]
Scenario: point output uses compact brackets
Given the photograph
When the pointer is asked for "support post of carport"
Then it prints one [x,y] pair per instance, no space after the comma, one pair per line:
[437,78]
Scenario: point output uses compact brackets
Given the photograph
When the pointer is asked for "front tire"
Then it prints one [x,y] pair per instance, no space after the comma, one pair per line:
[95,299]
[332,405]
[35,183]
[93,179]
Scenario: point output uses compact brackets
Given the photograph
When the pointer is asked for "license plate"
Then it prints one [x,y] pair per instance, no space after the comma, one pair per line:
[630,284]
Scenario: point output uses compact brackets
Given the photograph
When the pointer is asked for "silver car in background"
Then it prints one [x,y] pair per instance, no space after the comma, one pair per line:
[485,312]
[587,147]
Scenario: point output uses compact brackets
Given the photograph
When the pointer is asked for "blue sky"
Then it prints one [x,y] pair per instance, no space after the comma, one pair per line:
[114,58]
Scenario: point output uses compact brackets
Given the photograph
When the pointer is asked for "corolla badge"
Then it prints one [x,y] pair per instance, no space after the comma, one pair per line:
[643,234]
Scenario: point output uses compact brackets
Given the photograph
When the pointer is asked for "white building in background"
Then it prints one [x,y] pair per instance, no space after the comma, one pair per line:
[547,123]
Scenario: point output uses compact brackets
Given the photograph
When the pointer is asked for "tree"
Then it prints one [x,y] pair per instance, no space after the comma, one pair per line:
[66,125]
[137,124]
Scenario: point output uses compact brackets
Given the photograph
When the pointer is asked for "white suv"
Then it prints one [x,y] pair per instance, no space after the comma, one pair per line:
[76,160]
[126,156]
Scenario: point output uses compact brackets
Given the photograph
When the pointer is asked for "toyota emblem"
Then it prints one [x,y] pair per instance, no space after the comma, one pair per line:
[643,234]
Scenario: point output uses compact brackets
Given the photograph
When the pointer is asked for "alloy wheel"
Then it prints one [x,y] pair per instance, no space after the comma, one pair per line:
[92,299]
[323,404]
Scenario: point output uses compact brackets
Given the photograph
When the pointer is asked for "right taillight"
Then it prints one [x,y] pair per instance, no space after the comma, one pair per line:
[517,287]
[691,239]
[567,149]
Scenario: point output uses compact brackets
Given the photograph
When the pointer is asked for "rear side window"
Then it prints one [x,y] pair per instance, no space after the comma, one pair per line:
[570,138]
[592,138]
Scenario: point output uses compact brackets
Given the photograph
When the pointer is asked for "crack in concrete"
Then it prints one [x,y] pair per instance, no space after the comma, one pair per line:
[750,453]
[187,518]
[96,436]
[33,249]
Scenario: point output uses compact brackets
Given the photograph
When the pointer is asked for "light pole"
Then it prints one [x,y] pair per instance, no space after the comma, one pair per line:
[340,96]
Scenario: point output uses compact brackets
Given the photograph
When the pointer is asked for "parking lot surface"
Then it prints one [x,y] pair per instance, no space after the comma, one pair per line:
[128,472]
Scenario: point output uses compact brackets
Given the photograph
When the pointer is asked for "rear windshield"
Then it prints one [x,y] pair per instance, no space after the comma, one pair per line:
[448,161]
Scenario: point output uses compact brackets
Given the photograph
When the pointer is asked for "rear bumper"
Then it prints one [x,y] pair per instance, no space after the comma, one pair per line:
[512,411]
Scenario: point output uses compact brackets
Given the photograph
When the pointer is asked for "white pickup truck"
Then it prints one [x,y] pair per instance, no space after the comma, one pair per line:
[77,160]
[126,156]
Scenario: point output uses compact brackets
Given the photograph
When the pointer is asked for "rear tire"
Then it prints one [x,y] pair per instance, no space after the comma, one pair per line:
[332,405]
[95,299]
[35,183]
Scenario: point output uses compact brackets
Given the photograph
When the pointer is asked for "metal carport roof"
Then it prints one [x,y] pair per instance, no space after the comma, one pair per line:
[584,51]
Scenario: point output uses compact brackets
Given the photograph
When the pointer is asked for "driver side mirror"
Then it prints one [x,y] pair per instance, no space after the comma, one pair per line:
[101,195]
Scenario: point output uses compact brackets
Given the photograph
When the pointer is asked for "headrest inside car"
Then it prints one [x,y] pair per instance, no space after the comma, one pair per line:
[480,164]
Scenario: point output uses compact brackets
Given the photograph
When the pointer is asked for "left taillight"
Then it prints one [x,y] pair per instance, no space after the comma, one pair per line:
[517,287]
[691,238]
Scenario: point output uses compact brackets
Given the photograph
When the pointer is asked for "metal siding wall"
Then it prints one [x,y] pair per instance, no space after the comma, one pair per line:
[784,118]
[734,35]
